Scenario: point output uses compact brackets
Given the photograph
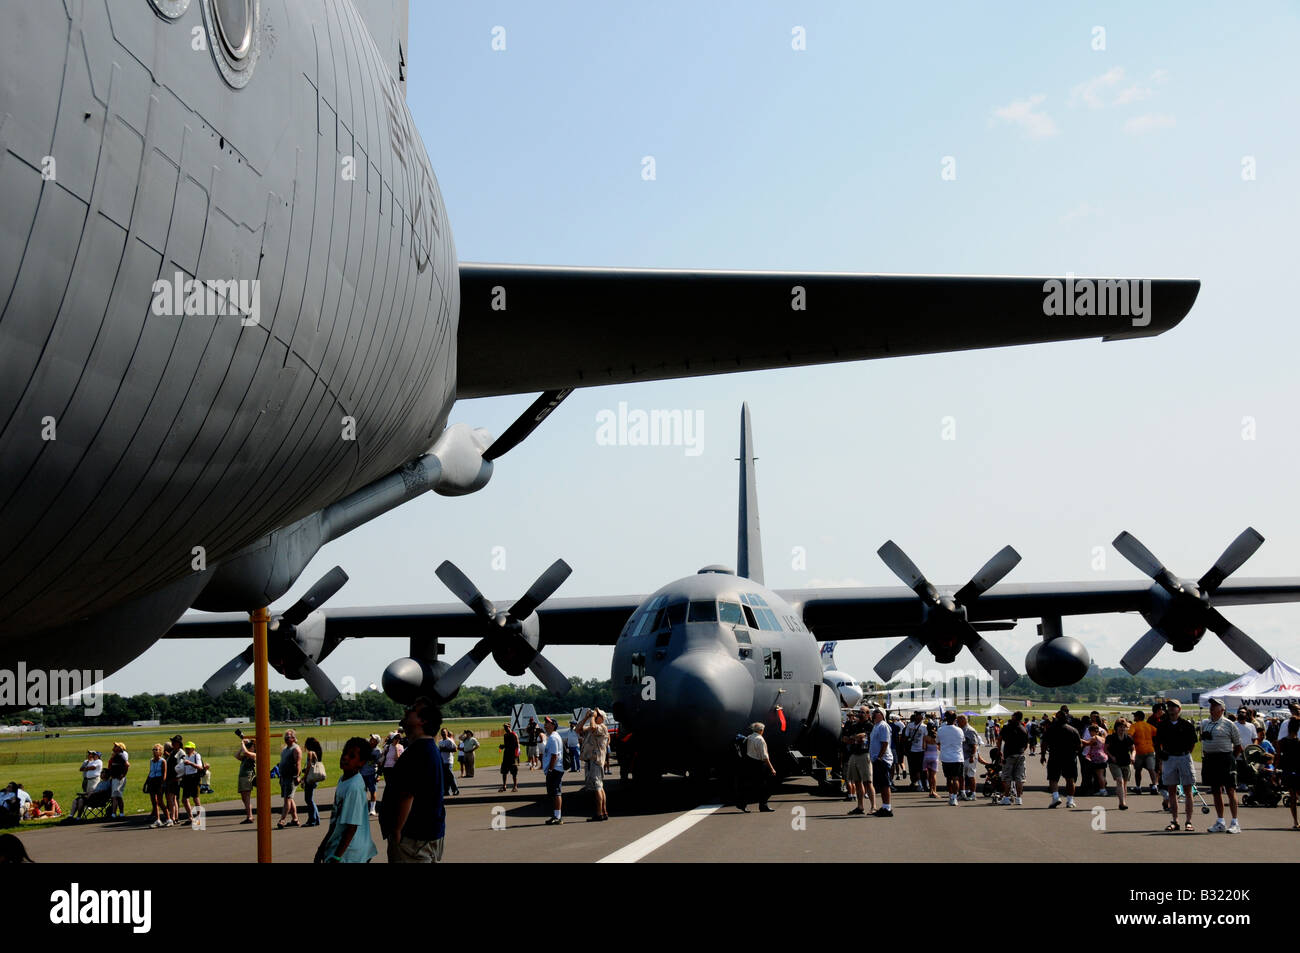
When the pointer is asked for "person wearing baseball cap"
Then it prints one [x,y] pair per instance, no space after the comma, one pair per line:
[553,764]
[1175,739]
[1221,744]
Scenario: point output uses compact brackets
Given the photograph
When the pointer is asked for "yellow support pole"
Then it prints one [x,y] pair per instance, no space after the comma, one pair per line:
[262,713]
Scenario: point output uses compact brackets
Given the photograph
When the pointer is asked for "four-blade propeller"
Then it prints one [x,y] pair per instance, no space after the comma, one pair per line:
[1182,610]
[294,642]
[944,628]
[511,637]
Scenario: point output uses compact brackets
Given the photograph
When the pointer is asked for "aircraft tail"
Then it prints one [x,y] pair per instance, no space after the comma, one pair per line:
[749,547]
[388,22]
[828,656]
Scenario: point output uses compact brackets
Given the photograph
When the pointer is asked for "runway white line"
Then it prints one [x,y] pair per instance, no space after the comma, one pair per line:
[659,836]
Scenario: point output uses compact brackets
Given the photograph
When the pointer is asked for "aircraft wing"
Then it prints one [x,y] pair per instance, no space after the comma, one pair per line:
[879,612]
[578,621]
[536,328]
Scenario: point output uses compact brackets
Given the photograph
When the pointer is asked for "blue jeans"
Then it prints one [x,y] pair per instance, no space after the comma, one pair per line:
[308,791]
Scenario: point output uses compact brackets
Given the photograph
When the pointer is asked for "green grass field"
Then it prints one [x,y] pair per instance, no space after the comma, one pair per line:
[40,763]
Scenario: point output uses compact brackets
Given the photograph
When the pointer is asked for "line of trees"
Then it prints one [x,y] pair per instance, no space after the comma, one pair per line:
[197,707]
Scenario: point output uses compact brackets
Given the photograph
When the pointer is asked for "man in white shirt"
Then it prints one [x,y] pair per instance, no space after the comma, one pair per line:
[553,763]
[1245,727]
[757,769]
[882,762]
[1221,742]
[90,771]
[951,740]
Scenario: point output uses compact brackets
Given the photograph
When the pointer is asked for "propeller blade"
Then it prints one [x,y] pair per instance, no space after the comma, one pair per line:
[229,673]
[465,591]
[1238,551]
[320,683]
[1002,563]
[1239,643]
[991,659]
[549,675]
[329,584]
[906,570]
[1128,546]
[541,590]
[455,676]
[898,657]
[1143,651]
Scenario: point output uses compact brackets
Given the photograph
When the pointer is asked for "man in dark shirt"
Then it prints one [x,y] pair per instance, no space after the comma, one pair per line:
[412,817]
[1175,739]
[1061,747]
[1013,741]
[509,748]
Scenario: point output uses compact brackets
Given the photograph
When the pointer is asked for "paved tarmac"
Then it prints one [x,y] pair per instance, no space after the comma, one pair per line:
[486,826]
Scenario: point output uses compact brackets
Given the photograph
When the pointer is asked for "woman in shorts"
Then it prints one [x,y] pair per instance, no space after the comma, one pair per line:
[154,787]
[1095,749]
[1119,746]
[930,762]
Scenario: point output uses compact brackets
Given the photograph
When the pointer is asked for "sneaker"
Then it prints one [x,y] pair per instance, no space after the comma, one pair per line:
[167,823]
[1056,802]
[952,800]
[1234,827]
[1069,802]
[1154,790]
[1005,801]
[764,809]
[1218,827]
[856,810]
[1020,802]
[156,824]
[554,820]
[883,813]
[1102,793]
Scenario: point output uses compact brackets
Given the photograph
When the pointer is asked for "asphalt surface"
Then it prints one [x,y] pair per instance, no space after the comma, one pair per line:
[484,826]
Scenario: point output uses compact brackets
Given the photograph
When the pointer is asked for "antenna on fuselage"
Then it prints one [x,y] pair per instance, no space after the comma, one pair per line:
[749,545]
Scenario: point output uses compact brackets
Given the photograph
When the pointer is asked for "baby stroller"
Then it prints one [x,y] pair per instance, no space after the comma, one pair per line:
[1264,788]
[991,786]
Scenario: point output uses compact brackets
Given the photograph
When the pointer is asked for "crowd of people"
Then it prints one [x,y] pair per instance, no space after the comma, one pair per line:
[1086,755]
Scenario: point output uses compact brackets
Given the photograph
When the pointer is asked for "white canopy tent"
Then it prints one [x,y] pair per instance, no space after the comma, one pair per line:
[1275,687]
[997,711]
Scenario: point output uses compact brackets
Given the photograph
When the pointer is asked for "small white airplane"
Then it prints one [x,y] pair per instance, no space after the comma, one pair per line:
[844,685]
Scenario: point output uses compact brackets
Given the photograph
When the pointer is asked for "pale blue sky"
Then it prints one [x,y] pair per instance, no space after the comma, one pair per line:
[1126,161]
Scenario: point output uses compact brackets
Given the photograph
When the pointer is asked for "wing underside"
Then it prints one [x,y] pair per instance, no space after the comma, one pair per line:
[534,328]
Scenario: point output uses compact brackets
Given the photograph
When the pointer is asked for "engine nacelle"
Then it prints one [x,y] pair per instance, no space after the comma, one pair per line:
[1058,662]
[407,679]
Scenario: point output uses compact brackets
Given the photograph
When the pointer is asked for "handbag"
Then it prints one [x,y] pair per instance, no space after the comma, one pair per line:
[316,774]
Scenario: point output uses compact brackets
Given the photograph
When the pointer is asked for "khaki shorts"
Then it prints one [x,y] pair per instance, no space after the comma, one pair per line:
[409,851]
[859,769]
[595,776]
[1013,768]
[246,783]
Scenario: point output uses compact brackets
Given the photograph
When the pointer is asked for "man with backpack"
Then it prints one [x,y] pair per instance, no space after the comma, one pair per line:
[913,743]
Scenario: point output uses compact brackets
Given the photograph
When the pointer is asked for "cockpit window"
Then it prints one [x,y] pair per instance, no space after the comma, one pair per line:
[702,611]
[749,617]
[677,613]
[730,612]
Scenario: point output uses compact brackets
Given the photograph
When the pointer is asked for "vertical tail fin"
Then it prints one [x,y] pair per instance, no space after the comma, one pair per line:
[828,656]
[749,546]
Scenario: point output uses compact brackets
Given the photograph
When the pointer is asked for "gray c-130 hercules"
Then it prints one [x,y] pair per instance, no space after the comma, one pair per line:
[233,323]
[706,655]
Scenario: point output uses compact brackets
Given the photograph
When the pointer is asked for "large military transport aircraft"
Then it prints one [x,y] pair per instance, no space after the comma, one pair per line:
[233,323]
[706,655]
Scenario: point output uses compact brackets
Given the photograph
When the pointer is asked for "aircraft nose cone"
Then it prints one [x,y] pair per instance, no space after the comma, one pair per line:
[705,697]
